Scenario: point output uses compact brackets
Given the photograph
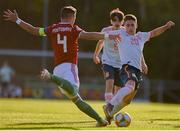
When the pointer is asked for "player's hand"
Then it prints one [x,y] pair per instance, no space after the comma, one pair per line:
[145,69]
[96,59]
[170,24]
[116,38]
[10,16]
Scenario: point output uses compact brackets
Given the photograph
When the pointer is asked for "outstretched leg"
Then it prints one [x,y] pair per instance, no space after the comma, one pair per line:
[122,98]
[72,93]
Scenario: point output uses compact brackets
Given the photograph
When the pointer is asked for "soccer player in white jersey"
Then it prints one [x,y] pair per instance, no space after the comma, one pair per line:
[110,58]
[130,51]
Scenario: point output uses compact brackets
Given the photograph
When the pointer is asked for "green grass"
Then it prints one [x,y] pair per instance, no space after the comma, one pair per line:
[57,114]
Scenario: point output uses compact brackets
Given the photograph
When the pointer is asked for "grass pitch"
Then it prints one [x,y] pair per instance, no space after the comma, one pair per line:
[32,114]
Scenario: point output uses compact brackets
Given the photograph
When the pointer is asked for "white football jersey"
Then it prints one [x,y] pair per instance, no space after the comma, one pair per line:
[131,47]
[110,54]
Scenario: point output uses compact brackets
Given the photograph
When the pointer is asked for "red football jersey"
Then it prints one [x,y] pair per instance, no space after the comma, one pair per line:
[64,40]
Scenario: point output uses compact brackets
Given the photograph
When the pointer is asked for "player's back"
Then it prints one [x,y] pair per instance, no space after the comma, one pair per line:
[64,40]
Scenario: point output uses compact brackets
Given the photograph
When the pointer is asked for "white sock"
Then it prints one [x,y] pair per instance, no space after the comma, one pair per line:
[117,100]
[117,108]
[108,97]
[120,95]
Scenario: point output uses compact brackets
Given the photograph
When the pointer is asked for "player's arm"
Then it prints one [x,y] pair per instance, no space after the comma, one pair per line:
[160,30]
[13,17]
[144,65]
[98,36]
[97,51]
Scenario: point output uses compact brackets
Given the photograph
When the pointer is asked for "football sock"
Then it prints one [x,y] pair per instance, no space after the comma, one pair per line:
[108,97]
[83,106]
[117,100]
[86,108]
[117,108]
[64,84]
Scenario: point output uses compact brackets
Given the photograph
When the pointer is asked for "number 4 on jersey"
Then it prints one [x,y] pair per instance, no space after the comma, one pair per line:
[62,42]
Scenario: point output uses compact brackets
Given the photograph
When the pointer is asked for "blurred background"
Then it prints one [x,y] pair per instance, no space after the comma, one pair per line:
[22,55]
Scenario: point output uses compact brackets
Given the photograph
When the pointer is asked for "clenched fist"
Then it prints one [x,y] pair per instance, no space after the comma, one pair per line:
[170,24]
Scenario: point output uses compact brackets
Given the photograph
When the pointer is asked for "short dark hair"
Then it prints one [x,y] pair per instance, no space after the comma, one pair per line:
[130,17]
[116,13]
[68,11]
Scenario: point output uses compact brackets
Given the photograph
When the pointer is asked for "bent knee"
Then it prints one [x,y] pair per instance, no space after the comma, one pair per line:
[131,85]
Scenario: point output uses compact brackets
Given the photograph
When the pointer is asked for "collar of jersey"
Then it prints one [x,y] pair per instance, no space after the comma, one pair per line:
[130,35]
[65,23]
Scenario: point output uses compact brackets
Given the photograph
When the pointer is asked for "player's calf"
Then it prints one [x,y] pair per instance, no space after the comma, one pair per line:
[127,100]
[87,109]
[67,87]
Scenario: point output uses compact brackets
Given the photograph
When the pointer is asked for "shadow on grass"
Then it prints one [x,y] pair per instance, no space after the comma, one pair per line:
[165,119]
[174,126]
[177,126]
[154,111]
[53,125]
[37,128]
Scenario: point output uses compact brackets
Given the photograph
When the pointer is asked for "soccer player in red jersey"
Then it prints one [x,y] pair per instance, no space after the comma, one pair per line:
[64,39]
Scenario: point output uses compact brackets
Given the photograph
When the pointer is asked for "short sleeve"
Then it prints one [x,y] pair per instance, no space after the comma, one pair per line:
[78,30]
[106,29]
[145,36]
[103,30]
